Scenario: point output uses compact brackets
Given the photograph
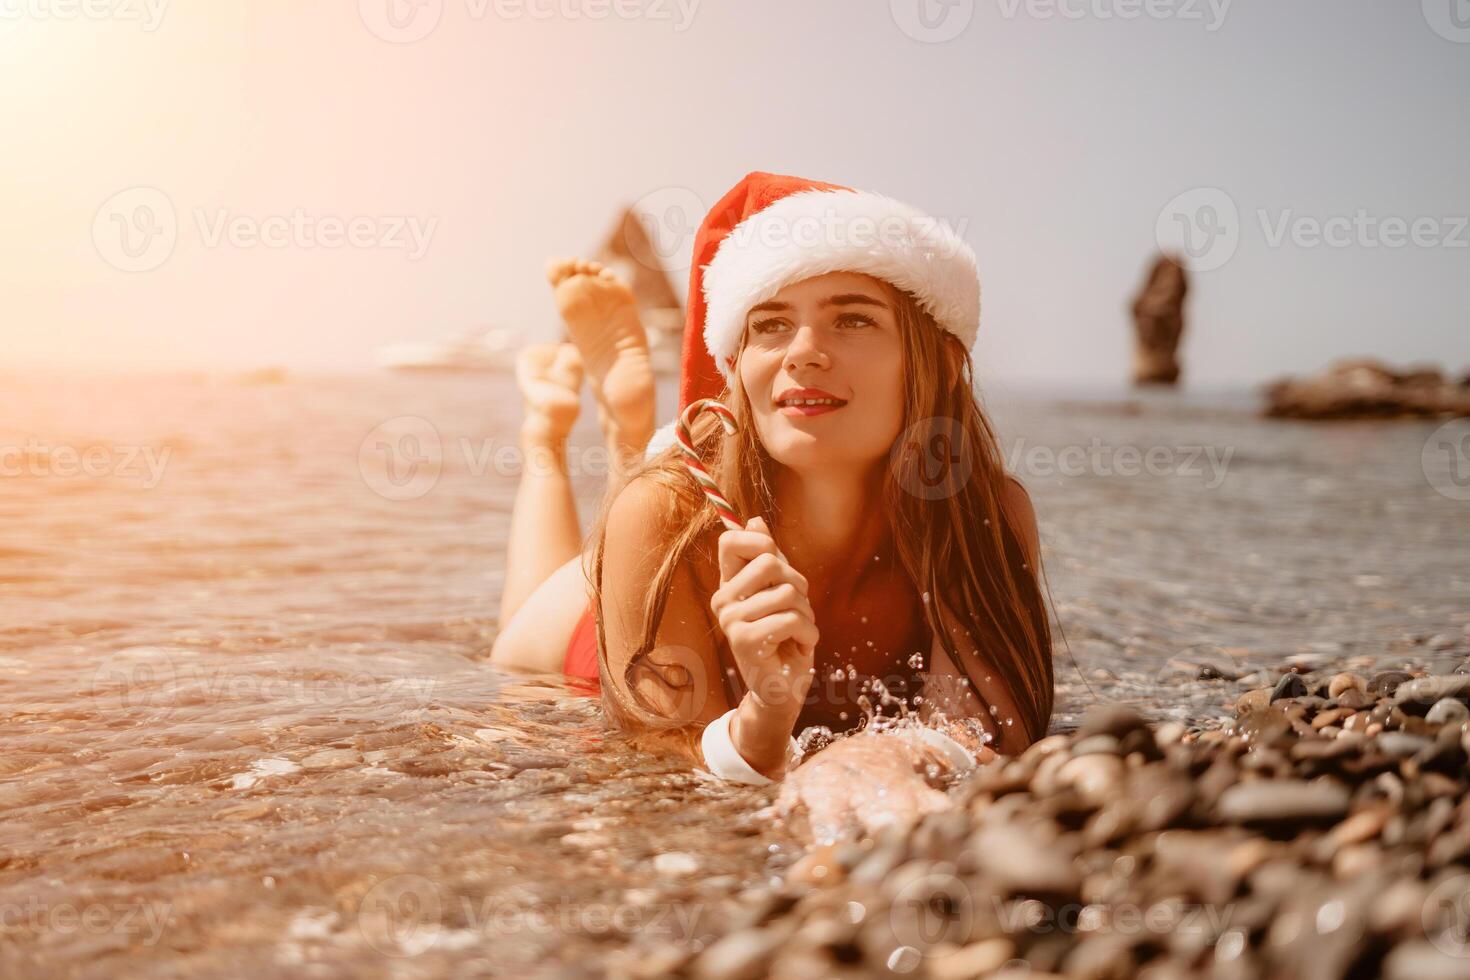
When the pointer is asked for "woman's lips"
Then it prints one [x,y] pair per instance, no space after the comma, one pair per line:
[802,410]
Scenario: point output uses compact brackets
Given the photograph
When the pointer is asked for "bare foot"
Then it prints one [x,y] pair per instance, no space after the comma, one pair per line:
[602,318]
[550,379]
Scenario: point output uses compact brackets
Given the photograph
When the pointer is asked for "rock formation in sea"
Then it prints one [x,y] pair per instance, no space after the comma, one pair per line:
[1367,388]
[1158,322]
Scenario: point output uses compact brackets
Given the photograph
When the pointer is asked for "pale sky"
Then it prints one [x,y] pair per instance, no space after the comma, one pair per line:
[413,186]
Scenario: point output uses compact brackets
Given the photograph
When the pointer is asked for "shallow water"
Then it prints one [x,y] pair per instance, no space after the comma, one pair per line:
[248,728]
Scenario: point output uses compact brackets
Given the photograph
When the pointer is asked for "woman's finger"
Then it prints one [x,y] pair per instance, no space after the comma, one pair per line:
[768,632]
[762,572]
[737,548]
[777,598]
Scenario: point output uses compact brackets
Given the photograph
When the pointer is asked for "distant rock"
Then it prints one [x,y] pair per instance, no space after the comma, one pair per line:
[1369,389]
[1158,323]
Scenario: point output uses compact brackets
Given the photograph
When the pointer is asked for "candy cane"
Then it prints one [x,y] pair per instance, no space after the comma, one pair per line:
[696,469]
[695,465]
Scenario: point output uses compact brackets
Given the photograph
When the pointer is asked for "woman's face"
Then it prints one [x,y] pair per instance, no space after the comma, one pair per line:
[832,338]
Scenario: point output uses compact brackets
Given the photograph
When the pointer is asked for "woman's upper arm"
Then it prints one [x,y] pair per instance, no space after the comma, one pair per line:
[639,532]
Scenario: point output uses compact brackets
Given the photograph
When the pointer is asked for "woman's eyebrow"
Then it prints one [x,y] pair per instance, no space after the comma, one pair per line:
[842,299]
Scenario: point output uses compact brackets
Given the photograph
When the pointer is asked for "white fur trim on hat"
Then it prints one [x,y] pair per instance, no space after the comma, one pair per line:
[811,233]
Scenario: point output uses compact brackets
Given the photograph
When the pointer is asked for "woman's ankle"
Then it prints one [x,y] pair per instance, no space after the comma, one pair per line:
[543,447]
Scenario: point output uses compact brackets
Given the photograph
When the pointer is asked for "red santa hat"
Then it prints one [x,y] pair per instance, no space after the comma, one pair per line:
[771,230]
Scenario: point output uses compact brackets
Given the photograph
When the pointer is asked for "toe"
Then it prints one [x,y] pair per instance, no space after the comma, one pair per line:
[557,269]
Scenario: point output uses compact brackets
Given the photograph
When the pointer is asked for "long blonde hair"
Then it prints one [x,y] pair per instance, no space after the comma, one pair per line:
[955,542]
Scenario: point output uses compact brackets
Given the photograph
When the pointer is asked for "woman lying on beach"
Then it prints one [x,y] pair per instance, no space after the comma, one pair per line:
[890,563]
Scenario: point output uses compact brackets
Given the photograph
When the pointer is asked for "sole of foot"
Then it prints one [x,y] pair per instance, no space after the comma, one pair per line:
[601,315]
[550,379]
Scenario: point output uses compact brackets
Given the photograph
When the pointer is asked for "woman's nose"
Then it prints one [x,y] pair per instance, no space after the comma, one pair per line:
[805,350]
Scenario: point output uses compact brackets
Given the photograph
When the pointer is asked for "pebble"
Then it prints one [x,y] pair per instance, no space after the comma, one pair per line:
[675,863]
[1289,686]
[1427,690]
[1448,711]
[1271,800]
[974,960]
[739,956]
[1384,684]
[1252,700]
[1346,681]
[1322,824]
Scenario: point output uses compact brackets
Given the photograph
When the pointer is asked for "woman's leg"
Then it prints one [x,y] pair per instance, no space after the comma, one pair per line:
[544,533]
[544,577]
[601,314]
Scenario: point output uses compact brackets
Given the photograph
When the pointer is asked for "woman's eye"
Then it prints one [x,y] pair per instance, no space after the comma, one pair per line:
[767,326]
[856,320]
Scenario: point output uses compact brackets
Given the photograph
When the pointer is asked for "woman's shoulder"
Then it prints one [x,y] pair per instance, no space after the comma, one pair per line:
[1021,515]
[644,518]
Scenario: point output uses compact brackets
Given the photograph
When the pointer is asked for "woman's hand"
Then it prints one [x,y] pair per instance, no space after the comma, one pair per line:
[762,608]
[863,783]
[761,605]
